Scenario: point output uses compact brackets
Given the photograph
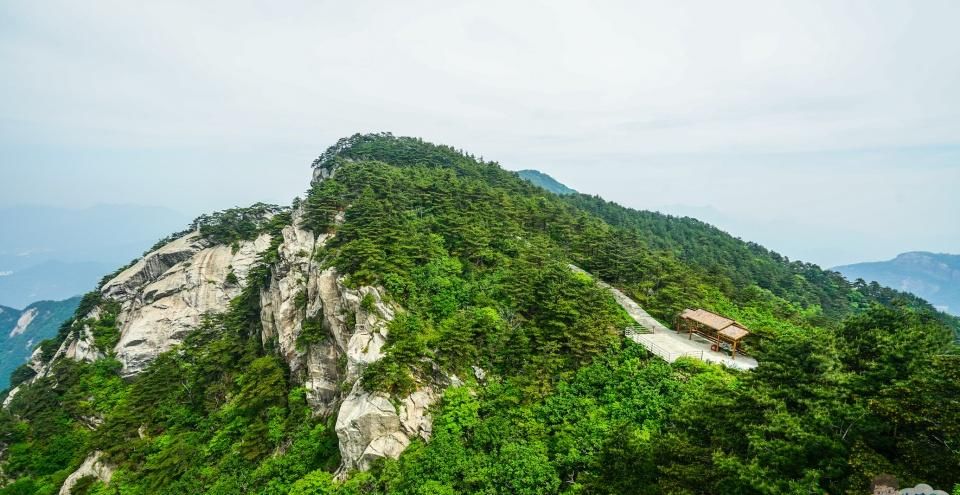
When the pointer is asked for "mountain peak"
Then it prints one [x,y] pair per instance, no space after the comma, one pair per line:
[932,276]
[417,302]
[545,181]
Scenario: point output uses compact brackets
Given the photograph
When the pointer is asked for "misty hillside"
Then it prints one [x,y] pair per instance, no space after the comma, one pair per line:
[425,322]
[22,331]
[545,181]
[49,253]
[50,279]
[932,276]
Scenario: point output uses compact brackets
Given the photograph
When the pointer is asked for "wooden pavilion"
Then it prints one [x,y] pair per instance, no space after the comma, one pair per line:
[720,330]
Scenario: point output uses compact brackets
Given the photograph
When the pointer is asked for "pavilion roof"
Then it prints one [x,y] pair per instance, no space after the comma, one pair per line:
[722,325]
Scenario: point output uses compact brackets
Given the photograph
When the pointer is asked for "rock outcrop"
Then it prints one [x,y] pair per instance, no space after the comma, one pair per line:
[346,331]
[165,295]
[82,348]
[370,426]
[290,297]
[327,331]
[94,467]
[322,173]
[39,368]
[23,322]
[10,396]
[79,347]
[353,325]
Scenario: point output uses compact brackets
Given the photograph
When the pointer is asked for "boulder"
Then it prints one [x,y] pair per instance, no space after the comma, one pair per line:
[93,467]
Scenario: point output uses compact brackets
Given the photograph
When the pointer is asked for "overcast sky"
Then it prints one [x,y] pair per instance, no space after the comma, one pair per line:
[828,131]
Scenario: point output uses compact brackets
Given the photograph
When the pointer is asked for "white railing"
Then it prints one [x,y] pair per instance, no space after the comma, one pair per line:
[659,351]
[632,330]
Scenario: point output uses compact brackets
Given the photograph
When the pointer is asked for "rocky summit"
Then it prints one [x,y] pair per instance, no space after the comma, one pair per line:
[426,322]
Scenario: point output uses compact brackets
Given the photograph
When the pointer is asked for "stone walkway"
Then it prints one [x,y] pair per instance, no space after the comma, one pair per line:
[664,342]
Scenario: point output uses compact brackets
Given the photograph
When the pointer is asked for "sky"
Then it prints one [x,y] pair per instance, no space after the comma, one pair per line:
[827,131]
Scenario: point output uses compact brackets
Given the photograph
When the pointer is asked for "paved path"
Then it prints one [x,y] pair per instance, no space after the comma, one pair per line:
[666,343]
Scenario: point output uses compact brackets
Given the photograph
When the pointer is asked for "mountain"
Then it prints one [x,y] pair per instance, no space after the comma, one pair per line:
[545,181]
[50,279]
[53,253]
[934,277]
[21,331]
[427,322]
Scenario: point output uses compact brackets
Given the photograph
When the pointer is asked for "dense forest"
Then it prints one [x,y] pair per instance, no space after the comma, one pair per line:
[854,380]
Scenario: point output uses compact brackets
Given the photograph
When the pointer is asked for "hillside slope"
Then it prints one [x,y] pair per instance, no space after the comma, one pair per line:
[412,326]
[934,277]
[543,180]
[21,331]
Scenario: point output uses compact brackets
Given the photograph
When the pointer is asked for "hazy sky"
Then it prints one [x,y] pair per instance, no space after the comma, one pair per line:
[828,131]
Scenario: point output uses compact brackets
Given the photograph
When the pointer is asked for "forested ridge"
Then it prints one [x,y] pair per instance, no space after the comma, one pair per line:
[854,380]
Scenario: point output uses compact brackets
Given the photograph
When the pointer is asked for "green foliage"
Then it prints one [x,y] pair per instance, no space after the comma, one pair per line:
[104,327]
[88,302]
[826,411]
[311,332]
[496,441]
[471,284]
[314,483]
[368,303]
[734,265]
[21,374]
[236,224]
[322,205]
[212,415]
[300,300]
[45,447]
[477,258]
[854,380]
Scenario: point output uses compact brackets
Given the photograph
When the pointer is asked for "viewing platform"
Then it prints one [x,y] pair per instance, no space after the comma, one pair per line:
[668,344]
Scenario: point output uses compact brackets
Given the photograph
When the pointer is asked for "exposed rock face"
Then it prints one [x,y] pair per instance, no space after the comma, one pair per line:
[165,294]
[291,296]
[358,328]
[354,325]
[353,328]
[78,348]
[10,396]
[370,426]
[83,347]
[164,297]
[35,363]
[23,322]
[322,173]
[92,466]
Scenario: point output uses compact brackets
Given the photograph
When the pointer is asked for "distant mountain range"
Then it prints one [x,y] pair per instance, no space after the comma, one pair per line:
[545,181]
[49,253]
[297,380]
[932,276]
[21,331]
[50,280]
